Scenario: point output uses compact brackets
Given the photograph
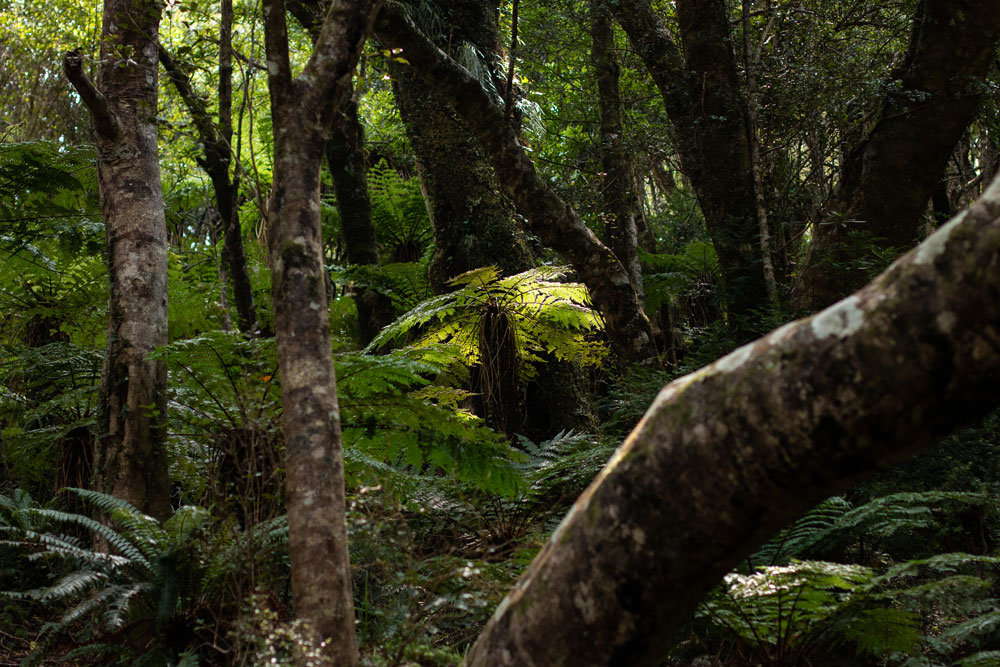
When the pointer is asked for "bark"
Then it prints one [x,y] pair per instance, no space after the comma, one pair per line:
[474,222]
[303,110]
[727,455]
[555,223]
[619,203]
[215,160]
[345,156]
[750,61]
[889,177]
[131,457]
[703,98]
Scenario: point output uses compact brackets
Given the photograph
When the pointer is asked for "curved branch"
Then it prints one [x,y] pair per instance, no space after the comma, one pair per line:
[729,454]
[104,119]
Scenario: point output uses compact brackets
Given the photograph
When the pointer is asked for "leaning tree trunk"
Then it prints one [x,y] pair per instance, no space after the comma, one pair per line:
[474,222]
[131,456]
[729,454]
[889,177]
[303,110]
[556,223]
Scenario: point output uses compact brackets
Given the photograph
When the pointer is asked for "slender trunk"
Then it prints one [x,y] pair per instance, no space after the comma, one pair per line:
[215,160]
[556,224]
[619,203]
[303,110]
[750,60]
[729,454]
[131,457]
[227,198]
[345,155]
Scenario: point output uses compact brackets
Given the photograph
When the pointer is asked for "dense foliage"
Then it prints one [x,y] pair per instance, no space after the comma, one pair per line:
[475,418]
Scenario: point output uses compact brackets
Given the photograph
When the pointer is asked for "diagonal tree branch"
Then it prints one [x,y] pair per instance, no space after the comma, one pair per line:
[104,119]
[729,454]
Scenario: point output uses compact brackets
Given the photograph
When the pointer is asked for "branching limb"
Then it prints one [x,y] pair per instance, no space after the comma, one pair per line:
[104,119]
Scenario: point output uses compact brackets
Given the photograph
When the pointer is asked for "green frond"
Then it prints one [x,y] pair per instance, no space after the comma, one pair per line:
[185,522]
[881,632]
[802,536]
[111,536]
[981,659]
[977,627]
[118,609]
[188,659]
[71,585]
[405,283]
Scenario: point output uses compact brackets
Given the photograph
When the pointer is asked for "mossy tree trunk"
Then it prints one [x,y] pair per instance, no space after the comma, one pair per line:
[303,110]
[549,217]
[345,155]
[729,454]
[474,221]
[131,457]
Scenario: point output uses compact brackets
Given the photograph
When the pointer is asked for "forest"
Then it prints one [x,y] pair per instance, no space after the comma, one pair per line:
[500,333]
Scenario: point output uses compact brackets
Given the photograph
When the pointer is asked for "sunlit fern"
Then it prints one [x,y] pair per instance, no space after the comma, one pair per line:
[502,328]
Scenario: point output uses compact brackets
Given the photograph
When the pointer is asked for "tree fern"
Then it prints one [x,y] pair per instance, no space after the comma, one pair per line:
[548,316]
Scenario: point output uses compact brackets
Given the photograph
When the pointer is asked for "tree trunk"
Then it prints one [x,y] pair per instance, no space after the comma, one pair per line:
[702,96]
[729,454]
[889,177]
[473,220]
[619,203]
[131,457]
[215,160]
[345,155]
[555,223]
[303,110]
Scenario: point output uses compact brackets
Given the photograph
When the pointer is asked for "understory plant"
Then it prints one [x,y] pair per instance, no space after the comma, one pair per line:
[939,609]
[131,597]
[502,328]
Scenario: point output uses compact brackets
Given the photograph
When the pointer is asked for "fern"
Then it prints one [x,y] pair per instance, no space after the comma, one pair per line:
[673,274]
[405,283]
[548,316]
[402,228]
[135,586]
[391,414]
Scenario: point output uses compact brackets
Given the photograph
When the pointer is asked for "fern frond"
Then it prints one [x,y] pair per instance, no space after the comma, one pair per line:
[802,536]
[981,659]
[111,536]
[119,607]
